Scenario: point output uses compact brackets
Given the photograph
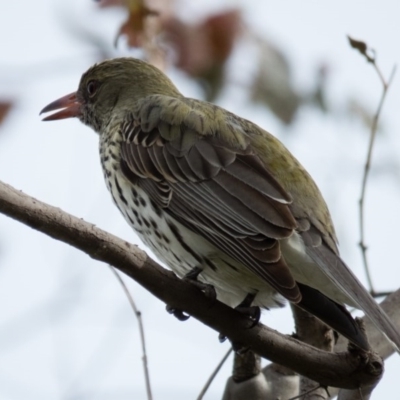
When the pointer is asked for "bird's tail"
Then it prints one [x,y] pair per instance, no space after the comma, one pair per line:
[333,314]
[345,280]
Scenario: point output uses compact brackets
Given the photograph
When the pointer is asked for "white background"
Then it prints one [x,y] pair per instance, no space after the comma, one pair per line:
[66,328]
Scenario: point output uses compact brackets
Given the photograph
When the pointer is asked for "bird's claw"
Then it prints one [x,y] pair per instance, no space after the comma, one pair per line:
[207,289]
[178,314]
[236,346]
[240,348]
[222,338]
[253,312]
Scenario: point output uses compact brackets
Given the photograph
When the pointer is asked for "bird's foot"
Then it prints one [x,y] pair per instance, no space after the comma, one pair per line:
[207,289]
[178,314]
[254,314]
[240,348]
[237,347]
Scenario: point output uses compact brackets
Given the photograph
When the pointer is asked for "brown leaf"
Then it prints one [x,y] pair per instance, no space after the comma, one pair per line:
[361,47]
[134,27]
[222,31]
[5,107]
[190,45]
[203,49]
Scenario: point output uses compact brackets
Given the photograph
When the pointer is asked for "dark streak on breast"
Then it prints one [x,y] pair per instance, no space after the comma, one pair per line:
[179,238]
[121,195]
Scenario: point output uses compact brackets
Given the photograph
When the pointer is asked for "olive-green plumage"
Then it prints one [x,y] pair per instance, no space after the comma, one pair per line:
[208,190]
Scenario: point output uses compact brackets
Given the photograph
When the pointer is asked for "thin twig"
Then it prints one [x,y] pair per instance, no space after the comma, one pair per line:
[386,85]
[305,393]
[381,294]
[141,330]
[214,374]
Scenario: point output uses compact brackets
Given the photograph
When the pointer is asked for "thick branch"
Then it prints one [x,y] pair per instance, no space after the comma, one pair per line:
[340,370]
[313,331]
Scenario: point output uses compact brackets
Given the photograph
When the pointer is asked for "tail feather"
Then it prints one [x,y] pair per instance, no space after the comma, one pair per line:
[333,314]
[338,272]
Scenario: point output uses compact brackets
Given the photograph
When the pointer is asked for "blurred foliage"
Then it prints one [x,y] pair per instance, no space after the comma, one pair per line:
[5,107]
[203,48]
[272,84]
[134,28]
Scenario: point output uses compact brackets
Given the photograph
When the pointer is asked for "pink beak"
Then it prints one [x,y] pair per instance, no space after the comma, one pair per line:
[70,105]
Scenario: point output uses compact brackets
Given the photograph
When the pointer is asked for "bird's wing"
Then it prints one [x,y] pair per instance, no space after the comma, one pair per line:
[213,185]
[201,165]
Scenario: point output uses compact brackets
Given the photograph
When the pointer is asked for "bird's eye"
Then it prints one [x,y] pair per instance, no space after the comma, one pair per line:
[92,88]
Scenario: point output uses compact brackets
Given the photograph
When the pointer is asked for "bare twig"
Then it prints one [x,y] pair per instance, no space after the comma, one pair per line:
[138,315]
[367,167]
[360,394]
[214,374]
[303,395]
[364,50]
[341,370]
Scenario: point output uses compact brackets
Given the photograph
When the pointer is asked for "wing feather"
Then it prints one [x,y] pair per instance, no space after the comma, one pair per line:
[272,211]
[263,183]
[173,165]
[269,265]
[214,155]
[217,189]
[205,173]
[157,156]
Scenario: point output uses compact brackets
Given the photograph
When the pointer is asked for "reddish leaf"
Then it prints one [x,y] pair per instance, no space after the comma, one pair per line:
[222,31]
[189,43]
[202,49]
[134,26]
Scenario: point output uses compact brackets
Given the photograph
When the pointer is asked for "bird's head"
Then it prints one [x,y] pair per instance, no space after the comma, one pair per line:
[108,90]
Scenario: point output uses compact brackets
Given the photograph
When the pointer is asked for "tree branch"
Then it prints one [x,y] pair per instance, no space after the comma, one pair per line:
[344,370]
[313,331]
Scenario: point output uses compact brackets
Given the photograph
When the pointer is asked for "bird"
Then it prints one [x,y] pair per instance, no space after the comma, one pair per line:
[218,199]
